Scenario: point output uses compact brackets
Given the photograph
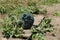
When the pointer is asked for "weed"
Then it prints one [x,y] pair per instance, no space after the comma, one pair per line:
[43,27]
[36,9]
[56,14]
[10,28]
[2,10]
[49,2]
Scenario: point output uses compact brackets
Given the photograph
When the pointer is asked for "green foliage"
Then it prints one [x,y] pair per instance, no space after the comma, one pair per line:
[10,28]
[40,11]
[36,36]
[5,8]
[56,14]
[43,27]
[36,9]
[22,9]
[15,7]
[49,2]
[2,10]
